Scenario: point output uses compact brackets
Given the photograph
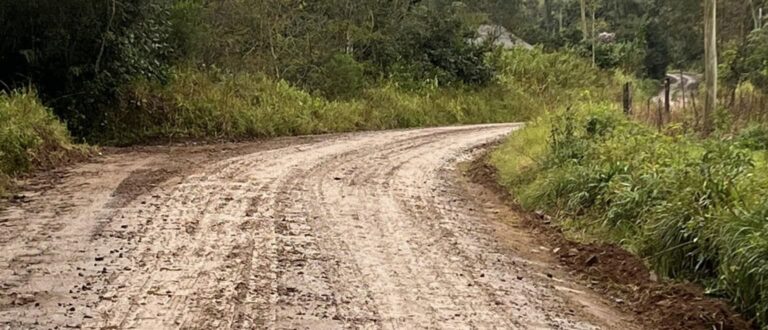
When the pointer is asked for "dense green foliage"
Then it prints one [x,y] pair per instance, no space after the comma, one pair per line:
[80,54]
[119,71]
[695,209]
[30,135]
[197,104]
[77,53]
[214,103]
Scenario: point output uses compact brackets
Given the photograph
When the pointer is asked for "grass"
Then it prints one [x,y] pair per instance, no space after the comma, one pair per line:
[695,209]
[210,103]
[30,136]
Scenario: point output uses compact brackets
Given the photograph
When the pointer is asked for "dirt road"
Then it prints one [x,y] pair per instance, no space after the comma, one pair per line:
[366,230]
[683,88]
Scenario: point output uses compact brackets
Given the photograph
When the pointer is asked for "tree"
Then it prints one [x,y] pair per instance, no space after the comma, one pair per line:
[657,54]
[78,52]
[584,29]
[710,64]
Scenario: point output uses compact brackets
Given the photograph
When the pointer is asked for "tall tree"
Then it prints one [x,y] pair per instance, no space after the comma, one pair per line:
[710,64]
[584,29]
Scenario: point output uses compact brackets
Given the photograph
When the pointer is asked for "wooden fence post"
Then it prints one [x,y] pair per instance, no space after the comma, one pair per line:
[627,99]
[659,116]
[683,86]
[667,88]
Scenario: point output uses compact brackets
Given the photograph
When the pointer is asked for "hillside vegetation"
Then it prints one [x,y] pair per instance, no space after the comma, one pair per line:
[694,208]
[141,71]
[30,136]
[215,104]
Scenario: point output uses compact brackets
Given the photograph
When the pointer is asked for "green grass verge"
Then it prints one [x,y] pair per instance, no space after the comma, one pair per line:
[695,209]
[198,104]
[214,104]
[30,136]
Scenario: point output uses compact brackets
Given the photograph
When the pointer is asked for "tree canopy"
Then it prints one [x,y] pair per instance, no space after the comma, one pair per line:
[78,53]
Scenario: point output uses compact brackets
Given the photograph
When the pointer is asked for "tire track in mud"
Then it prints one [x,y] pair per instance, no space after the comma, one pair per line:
[207,277]
[361,230]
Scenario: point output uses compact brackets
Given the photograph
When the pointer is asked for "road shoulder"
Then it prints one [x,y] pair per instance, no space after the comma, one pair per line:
[621,279]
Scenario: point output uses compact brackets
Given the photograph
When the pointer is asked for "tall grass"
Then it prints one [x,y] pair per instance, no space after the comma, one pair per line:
[209,103]
[212,104]
[557,78]
[696,209]
[30,136]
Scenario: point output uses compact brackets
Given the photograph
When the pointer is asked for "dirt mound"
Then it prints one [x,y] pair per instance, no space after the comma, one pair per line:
[608,262]
[614,272]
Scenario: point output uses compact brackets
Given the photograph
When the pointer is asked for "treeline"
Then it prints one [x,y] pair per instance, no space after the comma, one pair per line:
[651,36]
[79,54]
[145,71]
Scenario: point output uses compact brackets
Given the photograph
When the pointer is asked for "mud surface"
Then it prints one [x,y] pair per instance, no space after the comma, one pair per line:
[621,276]
[367,230]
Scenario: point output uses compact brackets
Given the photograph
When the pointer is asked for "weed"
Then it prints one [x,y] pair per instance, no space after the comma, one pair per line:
[693,208]
[30,136]
[211,103]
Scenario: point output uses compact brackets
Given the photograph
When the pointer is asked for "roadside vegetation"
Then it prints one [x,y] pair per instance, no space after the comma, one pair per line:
[30,136]
[695,209]
[156,71]
[213,104]
[210,103]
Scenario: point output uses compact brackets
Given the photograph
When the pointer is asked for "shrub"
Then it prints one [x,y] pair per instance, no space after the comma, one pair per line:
[78,52]
[214,104]
[754,137]
[695,209]
[30,136]
[557,78]
[341,77]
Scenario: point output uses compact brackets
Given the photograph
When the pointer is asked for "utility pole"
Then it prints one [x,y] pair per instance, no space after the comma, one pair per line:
[584,29]
[548,18]
[710,64]
[594,36]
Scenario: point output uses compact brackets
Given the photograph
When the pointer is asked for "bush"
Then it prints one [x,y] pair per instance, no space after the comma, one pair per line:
[211,103]
[429,44]
[557,78]
[214,104]
[78,52]
[754,137]
[695,209]
[341,77]
[30,136]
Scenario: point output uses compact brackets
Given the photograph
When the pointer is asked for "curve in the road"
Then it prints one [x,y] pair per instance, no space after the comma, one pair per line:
[354,231]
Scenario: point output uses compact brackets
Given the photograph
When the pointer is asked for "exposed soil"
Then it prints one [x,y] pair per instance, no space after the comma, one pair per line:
[364,230]
[623,276]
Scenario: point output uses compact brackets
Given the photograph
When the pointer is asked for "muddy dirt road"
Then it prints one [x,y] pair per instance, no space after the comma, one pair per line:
[365,230]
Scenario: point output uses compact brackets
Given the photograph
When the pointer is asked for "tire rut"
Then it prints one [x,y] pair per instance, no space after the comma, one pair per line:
[363,230]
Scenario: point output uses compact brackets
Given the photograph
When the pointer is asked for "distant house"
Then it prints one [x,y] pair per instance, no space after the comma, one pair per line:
[606,37]
[500,36]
